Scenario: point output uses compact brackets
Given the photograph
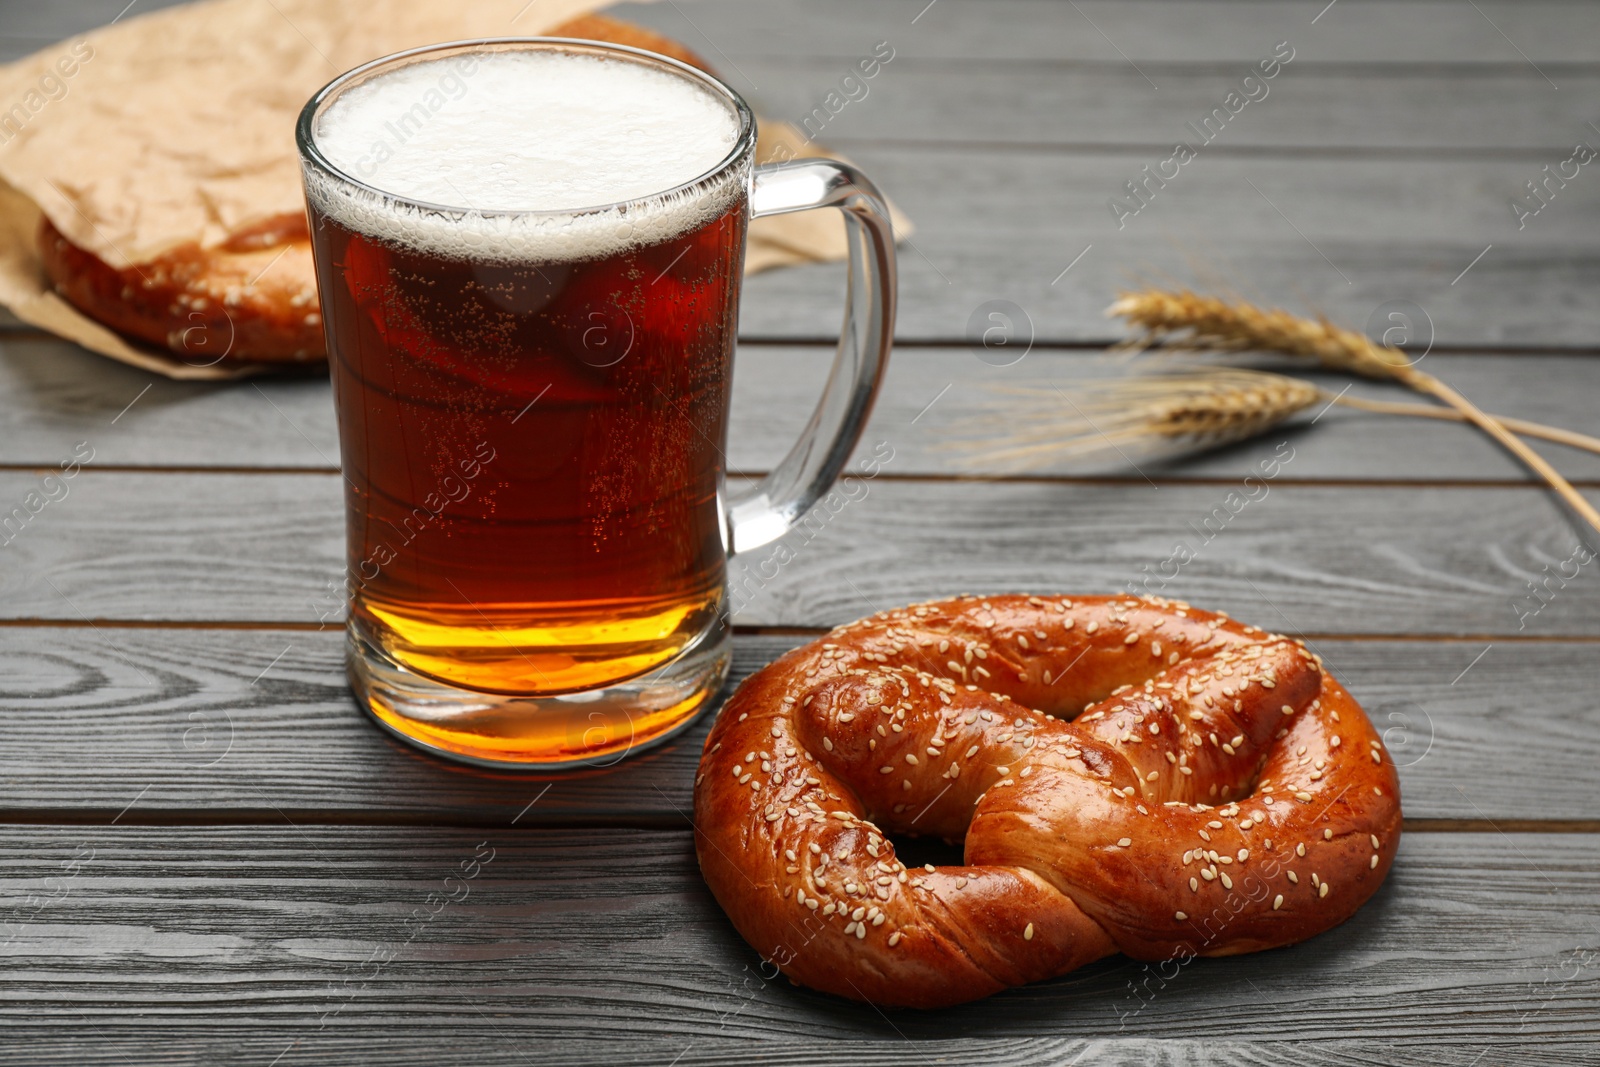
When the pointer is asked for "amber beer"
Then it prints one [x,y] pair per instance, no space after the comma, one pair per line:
[532,388]
[533,453]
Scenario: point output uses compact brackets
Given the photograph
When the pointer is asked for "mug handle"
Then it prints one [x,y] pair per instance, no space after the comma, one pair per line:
[771,508]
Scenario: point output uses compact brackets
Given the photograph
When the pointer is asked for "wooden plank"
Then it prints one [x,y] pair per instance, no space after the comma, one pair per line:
[1337,237]
[1149,32]
[502,1040]
[577,942]
[235,725]
[940,405]
[54,395]
[1353,560]
[1146,31]
[1305,108]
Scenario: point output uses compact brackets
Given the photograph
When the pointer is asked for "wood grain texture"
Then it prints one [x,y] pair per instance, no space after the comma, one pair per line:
[242,725]
[1308,108]
[54,395]
[558,940]
[1145,31]
[940,407]
[1347,559]
[1336,237]
[1219,32]
[255,841]
[502,1040]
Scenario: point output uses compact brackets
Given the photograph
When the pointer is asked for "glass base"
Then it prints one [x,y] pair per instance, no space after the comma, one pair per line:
[595,728]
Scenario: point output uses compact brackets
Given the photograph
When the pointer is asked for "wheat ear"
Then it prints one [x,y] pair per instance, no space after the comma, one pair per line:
[1188,320]
[1208,408]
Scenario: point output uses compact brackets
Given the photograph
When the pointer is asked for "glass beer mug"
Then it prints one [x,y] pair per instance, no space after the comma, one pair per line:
[529,253]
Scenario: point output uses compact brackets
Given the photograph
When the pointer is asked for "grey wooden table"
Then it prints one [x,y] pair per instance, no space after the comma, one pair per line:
[207,855]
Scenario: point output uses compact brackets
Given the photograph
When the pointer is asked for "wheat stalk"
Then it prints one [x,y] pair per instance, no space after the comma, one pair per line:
[1522,427]
[1185,319]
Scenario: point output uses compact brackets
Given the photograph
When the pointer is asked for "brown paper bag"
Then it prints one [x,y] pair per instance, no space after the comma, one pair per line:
[178,126]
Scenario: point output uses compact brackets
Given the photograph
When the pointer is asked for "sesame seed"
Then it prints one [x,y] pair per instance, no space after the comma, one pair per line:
[1375,841]
[894,939]
[1277,902]
[861,932]
[1194,885]
[1124,842]
[1322,890]
[1027,935]
[1374,863]
[1295,878]
[1180,916]
[911,759]
[1244,854]
[1227,883]
[1327,835]
[1287,709]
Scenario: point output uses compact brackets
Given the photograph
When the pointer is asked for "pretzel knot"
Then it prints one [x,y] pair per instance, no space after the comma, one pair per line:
[1216,793]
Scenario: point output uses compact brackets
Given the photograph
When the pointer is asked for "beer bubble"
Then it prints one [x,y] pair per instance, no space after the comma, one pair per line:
[601,334]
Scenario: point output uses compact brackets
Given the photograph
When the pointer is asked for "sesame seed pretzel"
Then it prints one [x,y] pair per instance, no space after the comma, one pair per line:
[1216,793]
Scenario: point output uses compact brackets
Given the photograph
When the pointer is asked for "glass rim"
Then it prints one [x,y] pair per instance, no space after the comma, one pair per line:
[311,154]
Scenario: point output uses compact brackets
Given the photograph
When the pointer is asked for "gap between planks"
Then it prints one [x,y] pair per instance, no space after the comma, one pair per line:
[301,817]
[751,631]
[927,477]
[1096,345]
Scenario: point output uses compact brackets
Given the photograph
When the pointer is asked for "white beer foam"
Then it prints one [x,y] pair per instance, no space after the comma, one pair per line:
[554,133]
